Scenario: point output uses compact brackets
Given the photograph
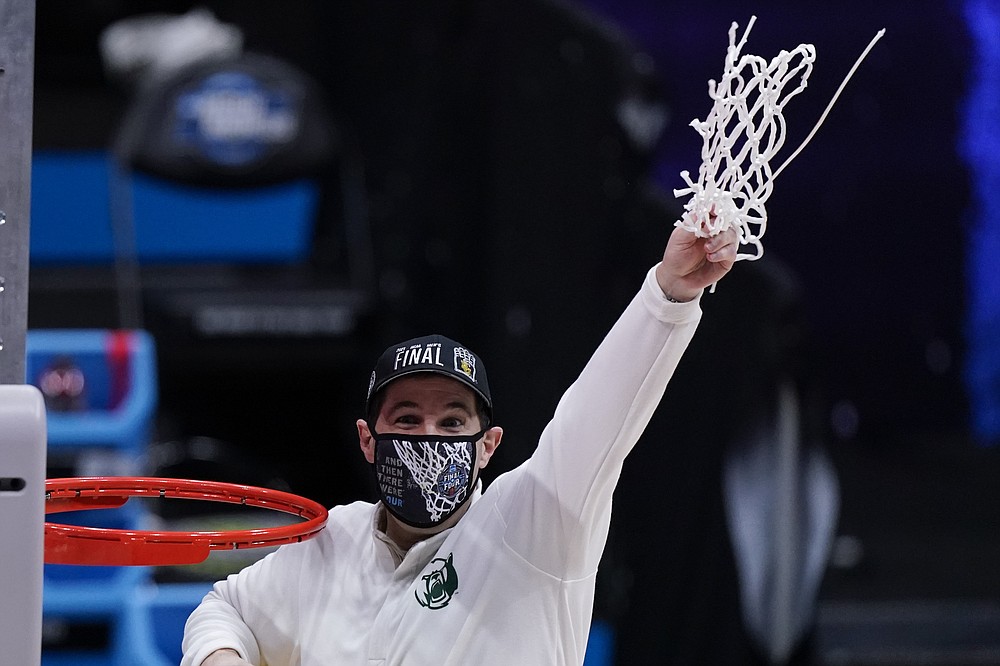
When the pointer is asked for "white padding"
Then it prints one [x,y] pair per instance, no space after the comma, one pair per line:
[22,520]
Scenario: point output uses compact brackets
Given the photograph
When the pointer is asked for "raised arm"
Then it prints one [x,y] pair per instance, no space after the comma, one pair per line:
[558,508]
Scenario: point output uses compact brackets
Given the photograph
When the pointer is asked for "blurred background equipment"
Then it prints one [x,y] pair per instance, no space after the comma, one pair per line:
[147,47]
[227,215]
[88,616]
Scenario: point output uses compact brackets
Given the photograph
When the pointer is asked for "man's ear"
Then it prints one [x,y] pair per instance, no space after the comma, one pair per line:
[491,440]
[366,441]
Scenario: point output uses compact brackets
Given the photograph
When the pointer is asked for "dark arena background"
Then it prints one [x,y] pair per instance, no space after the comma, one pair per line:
[501,172]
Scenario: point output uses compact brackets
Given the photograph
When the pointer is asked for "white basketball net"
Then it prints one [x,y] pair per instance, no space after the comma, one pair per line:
[740,136]
[428,464]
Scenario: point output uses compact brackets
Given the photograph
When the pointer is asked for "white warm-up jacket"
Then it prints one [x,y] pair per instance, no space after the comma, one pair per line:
[511,583]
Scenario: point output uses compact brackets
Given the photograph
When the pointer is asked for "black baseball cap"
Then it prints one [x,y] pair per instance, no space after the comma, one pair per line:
[431,353]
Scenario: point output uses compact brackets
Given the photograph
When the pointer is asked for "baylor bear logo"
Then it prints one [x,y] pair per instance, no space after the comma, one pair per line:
[439,585]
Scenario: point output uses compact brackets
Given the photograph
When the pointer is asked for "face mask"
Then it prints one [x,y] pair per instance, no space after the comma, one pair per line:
[424,479]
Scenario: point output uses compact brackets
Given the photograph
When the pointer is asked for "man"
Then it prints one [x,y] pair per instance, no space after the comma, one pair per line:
[440,572]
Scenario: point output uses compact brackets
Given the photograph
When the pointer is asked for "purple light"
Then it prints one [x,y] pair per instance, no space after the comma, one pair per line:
[980,145]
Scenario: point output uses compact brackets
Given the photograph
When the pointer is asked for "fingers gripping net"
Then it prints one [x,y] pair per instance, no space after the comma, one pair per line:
[740,136]
[434,467]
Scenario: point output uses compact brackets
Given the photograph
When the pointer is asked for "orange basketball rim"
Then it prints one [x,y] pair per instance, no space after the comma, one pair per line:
[72,544]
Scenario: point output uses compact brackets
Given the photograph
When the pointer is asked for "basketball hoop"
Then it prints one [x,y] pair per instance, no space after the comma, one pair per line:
[72,544]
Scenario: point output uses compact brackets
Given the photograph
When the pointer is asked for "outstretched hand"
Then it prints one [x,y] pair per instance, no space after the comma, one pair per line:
[691,263]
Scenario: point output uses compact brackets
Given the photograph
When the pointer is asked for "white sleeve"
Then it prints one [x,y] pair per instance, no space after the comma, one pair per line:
[215,624]
[558,505]
[247,607]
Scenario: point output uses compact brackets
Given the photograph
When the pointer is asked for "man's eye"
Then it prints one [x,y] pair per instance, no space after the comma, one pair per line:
[452,423]
[406,419]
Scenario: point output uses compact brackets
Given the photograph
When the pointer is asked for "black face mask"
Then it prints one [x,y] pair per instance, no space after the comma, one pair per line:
[424,479]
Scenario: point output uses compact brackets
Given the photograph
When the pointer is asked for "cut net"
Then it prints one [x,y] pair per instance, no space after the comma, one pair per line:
[441,471]
[740,136]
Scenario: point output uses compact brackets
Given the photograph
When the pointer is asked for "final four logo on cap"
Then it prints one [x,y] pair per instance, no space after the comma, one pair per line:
[431,353]
[465,362]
